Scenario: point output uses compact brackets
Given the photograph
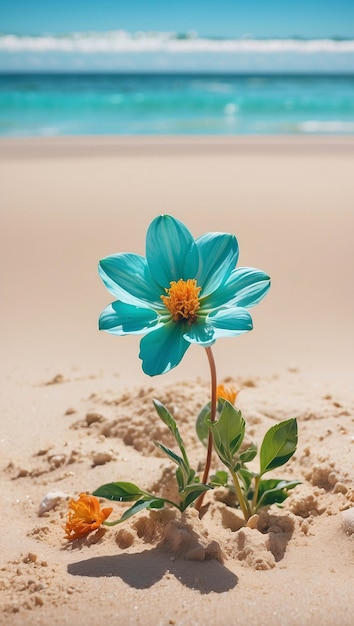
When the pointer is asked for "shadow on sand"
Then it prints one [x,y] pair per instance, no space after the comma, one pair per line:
[145,569]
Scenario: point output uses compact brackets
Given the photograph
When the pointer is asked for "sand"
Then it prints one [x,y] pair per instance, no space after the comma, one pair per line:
[76,409]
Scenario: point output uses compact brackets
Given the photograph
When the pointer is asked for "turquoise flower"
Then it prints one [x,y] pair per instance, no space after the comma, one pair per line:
[184,291]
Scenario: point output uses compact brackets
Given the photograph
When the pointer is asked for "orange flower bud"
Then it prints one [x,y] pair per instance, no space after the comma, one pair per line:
[227,393]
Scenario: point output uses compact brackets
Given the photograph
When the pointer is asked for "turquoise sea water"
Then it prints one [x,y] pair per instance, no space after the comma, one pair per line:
[157,104]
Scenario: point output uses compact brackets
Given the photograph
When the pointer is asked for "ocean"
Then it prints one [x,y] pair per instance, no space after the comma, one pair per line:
[43,104]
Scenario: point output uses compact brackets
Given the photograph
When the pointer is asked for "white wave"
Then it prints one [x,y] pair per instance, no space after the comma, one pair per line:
[317,126]
[122,41]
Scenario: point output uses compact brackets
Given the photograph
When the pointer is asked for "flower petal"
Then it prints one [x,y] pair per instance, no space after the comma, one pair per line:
[245,287]
[200,333]
[170,251]
[163,349]
[119,318]
[218,254]
[230,322]
[128,278]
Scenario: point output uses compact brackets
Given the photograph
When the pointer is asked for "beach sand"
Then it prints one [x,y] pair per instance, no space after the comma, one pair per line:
[76,408]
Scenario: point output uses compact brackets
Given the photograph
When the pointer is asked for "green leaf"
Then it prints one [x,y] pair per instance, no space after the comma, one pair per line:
[193,492]
[228,433]
[121,492]
[246,477]
[201,426]
[192,477]
[183,471]
[164,414]
[202,423]
[173,456]
[140,506]
[181,479]
[219,479]
[167,419]
[279,444]
[159,503]
[274,490]
[196,487]
[248,455]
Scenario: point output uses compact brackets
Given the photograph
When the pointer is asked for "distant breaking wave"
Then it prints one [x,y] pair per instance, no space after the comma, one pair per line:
[122,41]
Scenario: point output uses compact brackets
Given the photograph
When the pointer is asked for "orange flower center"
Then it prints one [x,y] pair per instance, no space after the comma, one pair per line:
[182,299]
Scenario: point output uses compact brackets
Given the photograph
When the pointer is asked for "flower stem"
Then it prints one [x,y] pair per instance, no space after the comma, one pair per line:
[255,495]
[211,360]
[239,495]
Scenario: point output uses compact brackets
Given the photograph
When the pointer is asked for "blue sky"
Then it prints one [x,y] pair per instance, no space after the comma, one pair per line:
[224,18]
[233,19]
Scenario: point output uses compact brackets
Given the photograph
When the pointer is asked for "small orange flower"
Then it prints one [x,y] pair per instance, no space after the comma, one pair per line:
[86,515]
[227,393]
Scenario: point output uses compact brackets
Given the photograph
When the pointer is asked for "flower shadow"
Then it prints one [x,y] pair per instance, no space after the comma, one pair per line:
[144,569]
